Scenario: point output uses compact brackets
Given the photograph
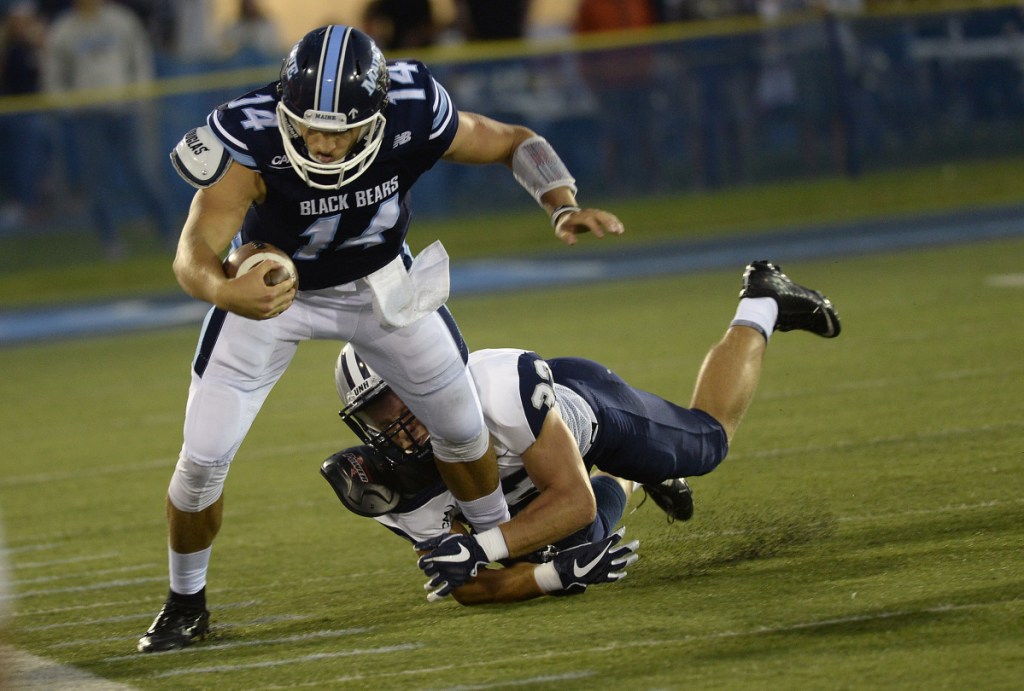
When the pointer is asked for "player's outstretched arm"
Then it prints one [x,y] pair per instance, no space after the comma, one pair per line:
[569,572]
[537,167]
[565,504]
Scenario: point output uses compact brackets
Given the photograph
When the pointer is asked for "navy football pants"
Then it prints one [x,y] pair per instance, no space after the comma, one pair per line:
[641,436]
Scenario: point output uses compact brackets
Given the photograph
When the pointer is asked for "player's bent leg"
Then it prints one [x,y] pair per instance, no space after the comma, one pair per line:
[463,452]
[194,504]
[189,532]
[425,364]
[468,479]
[237,363]
[195,507]
[611,494]
[729,376]
[475,485]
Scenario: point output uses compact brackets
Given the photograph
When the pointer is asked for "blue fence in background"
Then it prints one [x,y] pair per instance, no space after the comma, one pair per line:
[814,96]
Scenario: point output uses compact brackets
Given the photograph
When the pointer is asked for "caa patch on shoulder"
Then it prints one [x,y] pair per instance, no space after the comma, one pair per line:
[200,158]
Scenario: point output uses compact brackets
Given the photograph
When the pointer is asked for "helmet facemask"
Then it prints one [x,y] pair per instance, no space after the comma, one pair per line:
[362,389]
[396,441]
[338,173]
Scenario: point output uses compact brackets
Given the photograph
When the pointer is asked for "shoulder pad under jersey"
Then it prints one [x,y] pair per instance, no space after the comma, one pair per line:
[200,158]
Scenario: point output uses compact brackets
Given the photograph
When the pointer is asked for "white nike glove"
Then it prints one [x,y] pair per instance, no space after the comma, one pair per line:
[572,570]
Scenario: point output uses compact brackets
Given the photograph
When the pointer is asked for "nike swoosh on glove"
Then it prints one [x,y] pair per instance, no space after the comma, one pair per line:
[452,560]
[601,561]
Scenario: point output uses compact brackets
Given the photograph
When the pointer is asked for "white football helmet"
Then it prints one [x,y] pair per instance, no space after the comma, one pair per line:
[358,386]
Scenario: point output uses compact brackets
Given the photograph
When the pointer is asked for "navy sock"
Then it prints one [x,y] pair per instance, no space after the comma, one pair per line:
[611,502]
[194,600]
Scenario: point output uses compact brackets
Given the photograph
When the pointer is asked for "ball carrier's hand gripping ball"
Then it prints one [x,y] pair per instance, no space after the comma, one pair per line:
[244,259]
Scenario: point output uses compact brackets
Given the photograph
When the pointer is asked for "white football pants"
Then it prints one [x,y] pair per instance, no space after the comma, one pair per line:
[239,360]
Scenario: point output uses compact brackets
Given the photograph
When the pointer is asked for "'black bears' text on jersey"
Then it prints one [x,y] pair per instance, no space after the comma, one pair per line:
[337,236]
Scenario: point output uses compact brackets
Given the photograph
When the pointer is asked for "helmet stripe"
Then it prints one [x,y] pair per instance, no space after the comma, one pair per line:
[330,60]
[347,371]
[364,369]
[350,360]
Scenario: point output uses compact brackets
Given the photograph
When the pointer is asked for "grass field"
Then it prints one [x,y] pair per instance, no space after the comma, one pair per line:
[865,532]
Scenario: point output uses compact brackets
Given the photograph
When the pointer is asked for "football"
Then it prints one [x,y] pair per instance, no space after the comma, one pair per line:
[242,260]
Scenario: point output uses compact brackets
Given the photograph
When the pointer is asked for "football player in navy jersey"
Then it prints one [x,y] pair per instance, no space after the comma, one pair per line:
[551,422]
[320,163]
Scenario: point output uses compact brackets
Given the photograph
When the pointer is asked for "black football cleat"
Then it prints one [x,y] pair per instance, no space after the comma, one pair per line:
[674,497]
[175,627]
[799,308]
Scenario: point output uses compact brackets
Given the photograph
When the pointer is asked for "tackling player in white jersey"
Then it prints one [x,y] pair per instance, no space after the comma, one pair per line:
[551,422]
[320,163]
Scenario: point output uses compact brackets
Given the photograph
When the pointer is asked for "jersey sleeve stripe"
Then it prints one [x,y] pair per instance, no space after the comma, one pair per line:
[237,149]
[407,94]
[442,110]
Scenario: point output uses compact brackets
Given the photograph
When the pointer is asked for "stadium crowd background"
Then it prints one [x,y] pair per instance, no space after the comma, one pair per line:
[656,97]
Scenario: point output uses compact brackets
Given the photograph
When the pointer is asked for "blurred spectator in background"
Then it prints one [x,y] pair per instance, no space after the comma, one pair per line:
[487,20]
[620,81]
[611,15]
[25,147]
[186,30]
[771,11]
[100,47]
[695,10]
[844,7]
[398,24]
[253,37]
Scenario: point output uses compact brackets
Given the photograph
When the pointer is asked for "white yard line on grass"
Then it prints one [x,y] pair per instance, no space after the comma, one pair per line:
[78,576]
[315,657]
[85,588]
[31,673]
[22,566]
[461,666]
[1005,281]
[263,642]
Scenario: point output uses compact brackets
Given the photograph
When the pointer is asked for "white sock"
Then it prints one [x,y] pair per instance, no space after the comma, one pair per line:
[487,511]
[188,571]
[758,313]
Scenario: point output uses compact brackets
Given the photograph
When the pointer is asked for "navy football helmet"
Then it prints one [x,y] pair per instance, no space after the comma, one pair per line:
[335,79]
[365,483]
[359,386]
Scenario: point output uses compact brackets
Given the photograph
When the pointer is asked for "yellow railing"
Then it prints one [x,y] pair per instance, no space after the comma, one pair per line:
[487,52]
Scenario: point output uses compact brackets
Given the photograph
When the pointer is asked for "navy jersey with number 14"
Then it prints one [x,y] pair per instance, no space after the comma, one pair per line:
[337,236]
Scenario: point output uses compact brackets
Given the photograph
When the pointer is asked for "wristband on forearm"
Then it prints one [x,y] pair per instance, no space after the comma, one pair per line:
[547,577]
[537,167]
[557,214]
[493,544]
